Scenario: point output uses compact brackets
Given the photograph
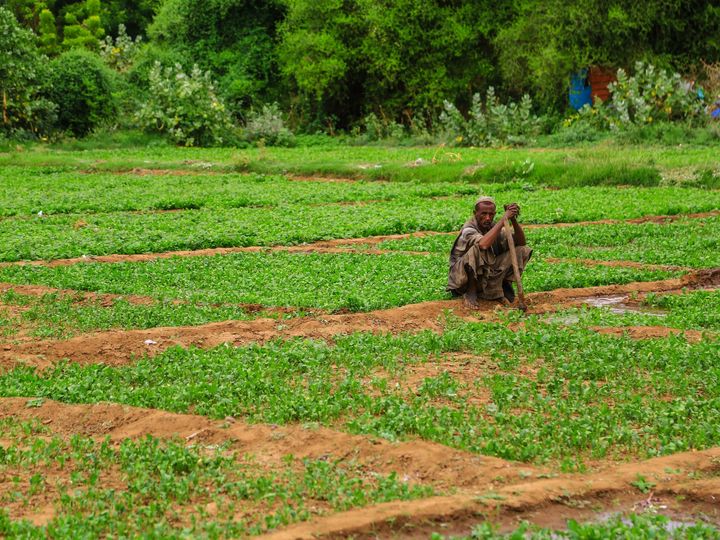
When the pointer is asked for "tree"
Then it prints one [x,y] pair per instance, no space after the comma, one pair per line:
[546,41]
[235,39]
[48,33]
[19,61]
[399,58]
[86,34]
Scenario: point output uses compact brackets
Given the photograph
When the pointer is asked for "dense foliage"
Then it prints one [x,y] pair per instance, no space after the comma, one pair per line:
[376,69]
[21,70]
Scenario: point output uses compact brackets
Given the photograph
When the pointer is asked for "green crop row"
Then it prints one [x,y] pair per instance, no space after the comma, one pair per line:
[29,192]
[686,242]
[331,281]
[54,315]
[168,486]
[532,394]
[58,236]
[632,526]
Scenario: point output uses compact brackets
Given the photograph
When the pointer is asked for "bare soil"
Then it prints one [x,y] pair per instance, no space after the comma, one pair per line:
[651,332]
[122,347]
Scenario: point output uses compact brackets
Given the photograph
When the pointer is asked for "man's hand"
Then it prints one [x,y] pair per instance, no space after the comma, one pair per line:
[512,211]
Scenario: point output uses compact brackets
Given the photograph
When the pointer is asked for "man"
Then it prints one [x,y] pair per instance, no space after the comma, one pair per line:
[480,264]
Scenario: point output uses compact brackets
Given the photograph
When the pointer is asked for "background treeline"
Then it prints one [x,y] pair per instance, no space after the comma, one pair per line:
[481,72]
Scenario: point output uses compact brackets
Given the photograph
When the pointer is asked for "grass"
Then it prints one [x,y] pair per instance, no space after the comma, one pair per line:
[168,487]
[603,163]
[355,282]
[551,393]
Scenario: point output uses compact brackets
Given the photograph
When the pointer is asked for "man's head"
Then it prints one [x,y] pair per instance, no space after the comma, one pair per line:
[485,213]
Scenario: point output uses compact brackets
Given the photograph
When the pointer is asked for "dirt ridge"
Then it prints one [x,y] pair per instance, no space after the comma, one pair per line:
[121,347]
[462,511]
[416,461]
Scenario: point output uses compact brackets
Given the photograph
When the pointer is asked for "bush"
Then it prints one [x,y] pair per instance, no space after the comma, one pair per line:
[653,95]
[81,86]
[184,106]
[377,129]
[120,52]
[267,124]
[491,123]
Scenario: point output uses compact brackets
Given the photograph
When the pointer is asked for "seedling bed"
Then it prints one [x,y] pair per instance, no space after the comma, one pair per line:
[268,353]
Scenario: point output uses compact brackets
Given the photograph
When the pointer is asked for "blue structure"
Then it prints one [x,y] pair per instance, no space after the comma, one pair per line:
[580,90]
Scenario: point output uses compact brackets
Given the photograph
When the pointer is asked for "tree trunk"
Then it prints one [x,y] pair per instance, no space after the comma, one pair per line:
[5,118]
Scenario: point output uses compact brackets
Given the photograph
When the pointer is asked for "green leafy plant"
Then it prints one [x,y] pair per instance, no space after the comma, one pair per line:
[377,129]
[652,95]
[184,106]
[267,125]
[120,52]
[646,525]
[490,123]
[643,484]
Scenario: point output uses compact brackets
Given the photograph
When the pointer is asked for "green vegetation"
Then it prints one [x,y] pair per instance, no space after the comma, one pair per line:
[55,315]
[169,487]
[351,281]
[638,526]
[685,242]
[81,85]
[356,66]
[55,191]
[552,393]
[73,235]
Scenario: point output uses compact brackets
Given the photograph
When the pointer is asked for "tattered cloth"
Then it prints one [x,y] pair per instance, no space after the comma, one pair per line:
[489,266]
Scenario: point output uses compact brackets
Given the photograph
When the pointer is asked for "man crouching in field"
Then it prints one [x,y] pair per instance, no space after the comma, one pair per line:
[480,264]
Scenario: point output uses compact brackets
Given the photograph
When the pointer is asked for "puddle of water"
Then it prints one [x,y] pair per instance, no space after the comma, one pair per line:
[617,304]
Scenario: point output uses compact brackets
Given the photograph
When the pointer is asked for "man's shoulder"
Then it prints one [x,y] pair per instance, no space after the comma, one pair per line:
[467,231]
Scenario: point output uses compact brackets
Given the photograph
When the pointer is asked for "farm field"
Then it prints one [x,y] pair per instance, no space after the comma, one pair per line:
[229,343]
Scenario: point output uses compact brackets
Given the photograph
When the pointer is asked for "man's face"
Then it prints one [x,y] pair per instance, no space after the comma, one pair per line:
[484,215]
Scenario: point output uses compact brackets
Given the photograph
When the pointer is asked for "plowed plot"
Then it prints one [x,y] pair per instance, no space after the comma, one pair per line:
[280,357]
